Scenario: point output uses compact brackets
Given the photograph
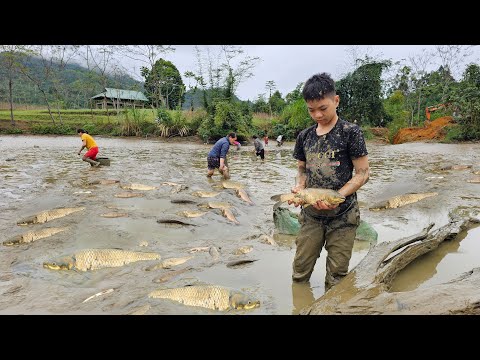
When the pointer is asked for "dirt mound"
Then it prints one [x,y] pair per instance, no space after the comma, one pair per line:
[434,130]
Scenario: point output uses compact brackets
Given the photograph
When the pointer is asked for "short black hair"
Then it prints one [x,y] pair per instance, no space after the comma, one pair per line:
[232,135]
[81,131]
[318,87]
[254,136]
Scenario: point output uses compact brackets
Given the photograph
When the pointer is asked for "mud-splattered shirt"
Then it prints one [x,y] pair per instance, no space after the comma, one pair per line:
[329,160]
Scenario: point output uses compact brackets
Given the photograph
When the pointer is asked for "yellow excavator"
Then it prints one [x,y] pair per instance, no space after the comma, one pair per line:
[430,109]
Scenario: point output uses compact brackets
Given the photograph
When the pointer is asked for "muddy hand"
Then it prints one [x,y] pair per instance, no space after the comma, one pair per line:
[322,205]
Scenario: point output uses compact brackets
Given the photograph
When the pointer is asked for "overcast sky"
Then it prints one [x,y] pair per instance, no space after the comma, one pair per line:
[288,65]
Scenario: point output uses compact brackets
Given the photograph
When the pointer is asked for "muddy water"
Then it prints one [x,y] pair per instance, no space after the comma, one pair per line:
[45,172]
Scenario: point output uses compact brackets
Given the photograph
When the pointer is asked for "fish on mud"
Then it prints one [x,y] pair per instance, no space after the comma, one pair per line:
[135,186]
[229,215]
[456,167]
[205,194]
[401,200]
[171,274]
[242,194]
[215,205]
[103,182]
[168,263]
[33,236]
[191,213]
[310,196]
[474,180]
[198,249]
[94,259]
[240,262]
[207,296]
[128,195]
[114,215]
[49,215]
[243,250]
[184,199]
[173,219]
[230,184]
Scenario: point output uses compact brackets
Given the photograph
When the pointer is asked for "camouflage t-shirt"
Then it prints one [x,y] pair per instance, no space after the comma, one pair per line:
[329,160]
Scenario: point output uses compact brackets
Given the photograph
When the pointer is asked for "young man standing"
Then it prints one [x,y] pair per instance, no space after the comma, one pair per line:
[327,153]
[217,157]
[91,145]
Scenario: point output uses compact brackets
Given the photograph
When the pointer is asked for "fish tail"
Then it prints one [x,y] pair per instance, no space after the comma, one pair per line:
[282,197]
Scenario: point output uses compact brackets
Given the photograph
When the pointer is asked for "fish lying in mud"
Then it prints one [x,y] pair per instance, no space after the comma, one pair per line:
[199,249]
[229,184]
[205,194]
[215,205]
[191,213]
[173,219]
[168,263]
[208,296]
[33,236]
[242,194]
[175,187]
[240,262]
[310,196]
[128,195]
[114,215]
[243,250]
[135,186]
[103,182]
[94,259]
[474,180]
[229,215]
[49,215]
[171,274]
[401,200]
[456,167]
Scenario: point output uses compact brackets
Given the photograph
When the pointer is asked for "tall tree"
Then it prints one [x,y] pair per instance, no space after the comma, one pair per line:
[10,59]
[270,86]
[164,84]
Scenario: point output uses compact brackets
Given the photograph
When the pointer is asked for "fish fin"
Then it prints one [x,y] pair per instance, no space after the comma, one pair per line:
[276,197]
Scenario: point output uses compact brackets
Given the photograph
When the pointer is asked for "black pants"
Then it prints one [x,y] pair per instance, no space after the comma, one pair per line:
[261,153]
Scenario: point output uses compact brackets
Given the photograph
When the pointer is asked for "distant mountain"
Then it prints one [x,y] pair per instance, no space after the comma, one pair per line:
[75,83]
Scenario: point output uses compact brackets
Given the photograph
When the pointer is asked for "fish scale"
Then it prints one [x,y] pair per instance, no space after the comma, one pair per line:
[49,215]
[92,259]
[211,297]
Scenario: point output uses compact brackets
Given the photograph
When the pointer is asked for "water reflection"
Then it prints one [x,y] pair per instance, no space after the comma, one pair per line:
[302,296]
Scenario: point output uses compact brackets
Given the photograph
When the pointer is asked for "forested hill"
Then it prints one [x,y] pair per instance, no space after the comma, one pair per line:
[194,98]
[72,86]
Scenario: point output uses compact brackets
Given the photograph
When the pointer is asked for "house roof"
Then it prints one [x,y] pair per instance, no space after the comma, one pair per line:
[121,94]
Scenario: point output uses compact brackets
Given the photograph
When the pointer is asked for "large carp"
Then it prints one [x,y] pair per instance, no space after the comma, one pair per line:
[135,186]
[242,194]
[401,200]
[208,296]
[33,235]
[206,194]
[191,213]
[93,259]
[215,205]
[128,195]
[310,196]
[227,213]
[168,263]
[49,215]
[229,184]
[103,182]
